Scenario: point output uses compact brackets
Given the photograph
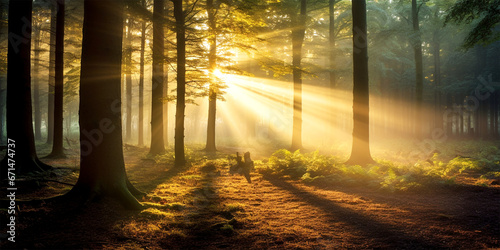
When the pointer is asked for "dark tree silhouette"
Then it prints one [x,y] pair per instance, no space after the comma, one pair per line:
[141,82]
[180,159]
[212,65]
[52,61]
[419,75]
[360,153]
[57,144]
[102,167]
[19,111]
[157,143]
[37,114]
[128,80]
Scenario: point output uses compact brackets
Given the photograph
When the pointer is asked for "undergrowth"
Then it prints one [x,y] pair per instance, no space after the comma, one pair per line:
[317,169]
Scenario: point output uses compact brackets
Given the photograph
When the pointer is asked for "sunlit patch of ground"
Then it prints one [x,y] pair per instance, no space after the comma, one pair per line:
[203,206]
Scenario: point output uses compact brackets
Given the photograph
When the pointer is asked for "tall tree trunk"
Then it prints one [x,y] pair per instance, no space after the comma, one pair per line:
[165,80]
[360,153]
[212,65]
[128,81]
[19,111]
[36,84]
[298,33]
[437,81]
[102,167]
[331,41]
[157,143]
[52,60]
[57,145]
[180,159]
[419,75]
[141,83]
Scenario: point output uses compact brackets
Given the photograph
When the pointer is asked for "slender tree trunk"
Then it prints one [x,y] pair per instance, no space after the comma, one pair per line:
[180,159]
[128,81]
[165,80]
[102,167]
[52,60]
[437,81]
[157,143]
[141,83]
[419,87]
[212,65]
[333,80]
[331,35]
[19,110]
[57,145]
[165,103]
[36,85]
[360,153]
[298,33]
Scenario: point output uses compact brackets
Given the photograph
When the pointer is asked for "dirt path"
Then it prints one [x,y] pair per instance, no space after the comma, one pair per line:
[202,207]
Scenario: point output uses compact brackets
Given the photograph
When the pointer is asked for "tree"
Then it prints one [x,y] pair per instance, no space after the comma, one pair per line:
[57,144]
[419,74]
[52,60]
[128,79]
[141,82]
[298,33]
[36,80]
[467,11]
[102,167]
[180,159]
[212,65]
[157,143]
[360,153]
[19,110]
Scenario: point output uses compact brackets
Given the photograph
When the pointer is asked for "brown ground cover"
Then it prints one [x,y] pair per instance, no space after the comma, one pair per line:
[204,207]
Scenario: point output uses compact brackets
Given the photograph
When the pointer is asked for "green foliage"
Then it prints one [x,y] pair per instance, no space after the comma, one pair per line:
[467,11]
[316,169]
[284,162]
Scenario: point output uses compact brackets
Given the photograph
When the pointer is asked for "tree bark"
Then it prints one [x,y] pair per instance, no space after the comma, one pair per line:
[165,80]
[141,83]
[332,75]
[180,159]
[102,167]
[212,65]
[419,75]
[360,153]
[128,81]
[52,60]
[19,110]
[57,144]
[298,33]
[157,143]
[437,81]
[36,84]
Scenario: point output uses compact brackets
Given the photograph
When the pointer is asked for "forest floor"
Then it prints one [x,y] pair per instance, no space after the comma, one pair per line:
[204,207]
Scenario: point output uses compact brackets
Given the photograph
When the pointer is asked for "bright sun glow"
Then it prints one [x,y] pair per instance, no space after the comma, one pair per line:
[218,74]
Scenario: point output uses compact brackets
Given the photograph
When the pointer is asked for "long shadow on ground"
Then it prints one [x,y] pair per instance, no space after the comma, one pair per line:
[384,235]
[466,208]
[67,225]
